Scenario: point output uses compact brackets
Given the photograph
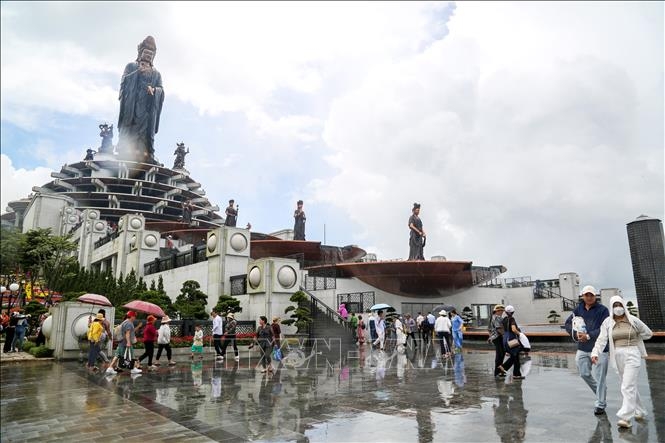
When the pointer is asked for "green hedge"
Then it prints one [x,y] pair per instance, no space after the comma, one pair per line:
[41,351]
[27,345]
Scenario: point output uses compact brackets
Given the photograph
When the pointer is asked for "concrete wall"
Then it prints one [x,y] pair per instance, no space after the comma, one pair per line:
[44,211]
[174,278]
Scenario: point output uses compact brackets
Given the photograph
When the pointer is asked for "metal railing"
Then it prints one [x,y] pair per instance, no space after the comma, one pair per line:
[107,238]
[319,309]
[196,254]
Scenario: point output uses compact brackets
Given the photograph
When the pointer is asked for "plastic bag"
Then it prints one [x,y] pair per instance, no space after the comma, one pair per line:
[276,354]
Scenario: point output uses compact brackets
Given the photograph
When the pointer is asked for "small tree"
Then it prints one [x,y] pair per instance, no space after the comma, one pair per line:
[192,301]
[632,309]
[226,303]
[467,315]
[300,314]
[553,316]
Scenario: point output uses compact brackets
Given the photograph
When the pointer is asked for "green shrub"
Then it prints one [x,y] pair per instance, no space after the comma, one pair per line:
[27,345]
[41,351]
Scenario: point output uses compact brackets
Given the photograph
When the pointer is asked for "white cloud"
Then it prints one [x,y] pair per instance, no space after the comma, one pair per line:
[519,135]
[18,183]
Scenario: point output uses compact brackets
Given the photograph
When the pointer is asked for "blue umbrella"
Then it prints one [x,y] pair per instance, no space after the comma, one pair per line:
[379,306]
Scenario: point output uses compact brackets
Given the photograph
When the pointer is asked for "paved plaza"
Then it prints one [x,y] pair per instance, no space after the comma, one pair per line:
[369,397]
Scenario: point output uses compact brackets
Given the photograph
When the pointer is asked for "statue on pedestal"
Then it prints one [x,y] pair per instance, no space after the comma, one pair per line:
[106,133]
[180,154]
[89,155]
[141,99]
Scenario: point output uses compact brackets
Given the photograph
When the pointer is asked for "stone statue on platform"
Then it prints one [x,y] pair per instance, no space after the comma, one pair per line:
[141,99]
[417,236]
[299,223]
[180,153]
[106,133]
[89,155]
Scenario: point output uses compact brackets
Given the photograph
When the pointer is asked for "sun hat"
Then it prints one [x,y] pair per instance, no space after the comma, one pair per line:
[166,319]
[588,289]
[230,315]
[510,309]
[151,318]
[99,317]
[131,314]
[499,307]
[442,312]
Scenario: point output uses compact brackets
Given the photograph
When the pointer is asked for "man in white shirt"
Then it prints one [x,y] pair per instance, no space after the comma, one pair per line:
[419,323]
[217,333]
[442,328]
[380,330]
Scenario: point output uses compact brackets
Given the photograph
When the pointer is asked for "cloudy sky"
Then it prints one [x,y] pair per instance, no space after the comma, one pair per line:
[531,133]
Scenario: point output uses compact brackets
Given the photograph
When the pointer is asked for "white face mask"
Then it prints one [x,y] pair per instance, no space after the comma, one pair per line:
[618,311]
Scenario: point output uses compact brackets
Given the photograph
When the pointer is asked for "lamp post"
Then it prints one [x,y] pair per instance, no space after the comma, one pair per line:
[12,288]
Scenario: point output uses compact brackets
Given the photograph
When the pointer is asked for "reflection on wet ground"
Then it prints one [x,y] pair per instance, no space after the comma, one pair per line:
[369,397]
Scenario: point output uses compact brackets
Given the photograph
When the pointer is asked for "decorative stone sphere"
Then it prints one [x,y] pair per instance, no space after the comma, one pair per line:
[73,219]
[150,240]
[132,241]
[80,326]
[68,210]
[135,223]
[212,243]
[238,242]
[99,226]
[286,276]
[13,287]
[121,223]
[93,215]
[254,277]
[47,326]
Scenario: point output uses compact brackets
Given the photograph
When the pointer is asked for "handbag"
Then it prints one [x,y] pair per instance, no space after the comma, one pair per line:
[276,354]
[126,361]
[513,343]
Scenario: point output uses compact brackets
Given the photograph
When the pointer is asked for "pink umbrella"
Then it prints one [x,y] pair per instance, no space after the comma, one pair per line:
[95,299]
[144,306]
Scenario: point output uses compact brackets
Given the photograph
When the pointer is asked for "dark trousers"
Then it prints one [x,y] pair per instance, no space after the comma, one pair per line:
[9,339]
[443,342]
[149,351]
[225,343]
[92,354]
[499,353]
[514,361]
[266,351]
[161,347]
[217,341]
[426,334]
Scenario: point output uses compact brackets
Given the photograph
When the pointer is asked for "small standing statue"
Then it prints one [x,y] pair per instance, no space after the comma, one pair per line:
[180,154]
[106,133]
[187,211]
[299,225]
[417,234]
[231,214]
[90,155]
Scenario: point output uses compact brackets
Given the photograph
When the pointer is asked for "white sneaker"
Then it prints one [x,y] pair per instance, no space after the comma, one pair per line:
[219,357]
[152,368]
[237,358]
[623,424]
[640,416]
[135,371]
[109,370]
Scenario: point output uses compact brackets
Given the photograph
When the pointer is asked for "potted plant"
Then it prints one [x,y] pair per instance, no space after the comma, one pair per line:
[300,315]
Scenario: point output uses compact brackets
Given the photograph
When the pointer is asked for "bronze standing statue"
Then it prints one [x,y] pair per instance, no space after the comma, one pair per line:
[141,99]
[416,234]
[106,133]
[180,153]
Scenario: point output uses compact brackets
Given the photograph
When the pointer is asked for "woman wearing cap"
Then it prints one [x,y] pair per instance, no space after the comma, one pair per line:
[230,336]
[496,338]
[511,332]
[94,336]
[164,340]
[625,334]
[149,338]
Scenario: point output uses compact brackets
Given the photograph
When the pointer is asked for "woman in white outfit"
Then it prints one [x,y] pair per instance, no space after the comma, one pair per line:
[625,334]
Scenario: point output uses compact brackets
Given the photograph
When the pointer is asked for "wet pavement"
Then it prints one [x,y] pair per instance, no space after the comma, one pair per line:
[370,397]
